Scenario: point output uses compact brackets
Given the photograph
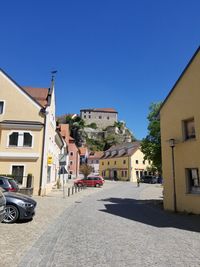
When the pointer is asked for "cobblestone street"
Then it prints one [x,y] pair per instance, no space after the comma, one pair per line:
[115,226]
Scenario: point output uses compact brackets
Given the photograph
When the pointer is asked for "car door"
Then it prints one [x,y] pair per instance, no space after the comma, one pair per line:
[89,181]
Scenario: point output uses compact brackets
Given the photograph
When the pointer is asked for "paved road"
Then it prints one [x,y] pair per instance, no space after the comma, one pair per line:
[117,227]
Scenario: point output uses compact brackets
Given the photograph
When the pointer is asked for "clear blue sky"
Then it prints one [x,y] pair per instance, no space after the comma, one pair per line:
[123,54]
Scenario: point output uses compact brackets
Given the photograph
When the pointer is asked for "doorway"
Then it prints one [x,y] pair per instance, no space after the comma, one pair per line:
[18,173]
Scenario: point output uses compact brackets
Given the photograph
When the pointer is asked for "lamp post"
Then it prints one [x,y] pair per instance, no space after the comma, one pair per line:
[172,145]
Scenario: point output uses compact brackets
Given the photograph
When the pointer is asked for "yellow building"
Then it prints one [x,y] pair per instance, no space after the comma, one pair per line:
[28,134]
[123,162]
[180,139]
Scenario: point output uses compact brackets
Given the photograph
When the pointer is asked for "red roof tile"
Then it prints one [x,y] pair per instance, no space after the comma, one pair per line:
[39,94]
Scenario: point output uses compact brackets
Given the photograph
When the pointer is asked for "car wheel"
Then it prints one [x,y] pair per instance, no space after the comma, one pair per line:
[11,214]
[97,185]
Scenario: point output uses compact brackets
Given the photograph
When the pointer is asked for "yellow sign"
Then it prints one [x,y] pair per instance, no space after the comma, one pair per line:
[50,160]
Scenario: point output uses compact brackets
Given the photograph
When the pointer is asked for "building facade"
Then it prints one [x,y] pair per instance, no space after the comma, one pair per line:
[27,134]
[180,139]
[93,161]
[103,117]
[124,162]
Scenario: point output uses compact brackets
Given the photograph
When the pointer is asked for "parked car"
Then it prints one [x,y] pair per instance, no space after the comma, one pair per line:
[149,179]
[2,205]
[9,184]
[18,207]
[95,181]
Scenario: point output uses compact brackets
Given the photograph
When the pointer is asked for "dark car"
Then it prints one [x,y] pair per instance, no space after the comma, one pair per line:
[149,179]
[9,184]
[95,181]
[2,205]
[18,207]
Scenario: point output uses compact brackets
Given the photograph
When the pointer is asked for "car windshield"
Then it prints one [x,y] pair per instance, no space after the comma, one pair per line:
[13,183]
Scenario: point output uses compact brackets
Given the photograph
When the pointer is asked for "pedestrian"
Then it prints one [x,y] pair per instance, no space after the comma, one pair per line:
[138,181]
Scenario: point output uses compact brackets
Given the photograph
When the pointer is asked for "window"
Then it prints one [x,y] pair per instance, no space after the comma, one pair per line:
[27,140]
[97,161]
[108,118]
[20,139]
[102,163]
[193,180]
[13,139]
[100,117]
[124,161]
[137,174]
[1,107]
[115,162]
[143,161]
[89,116]
[71,162]
[108,163]
[136,161]
[85,116]
[71,153]
[48,174]
[125,173]
[71,172]
[189,129]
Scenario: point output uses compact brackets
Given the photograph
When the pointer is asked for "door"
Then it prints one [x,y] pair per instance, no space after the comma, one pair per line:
[18,173]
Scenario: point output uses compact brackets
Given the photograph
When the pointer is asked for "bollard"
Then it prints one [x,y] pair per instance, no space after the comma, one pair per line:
[75,189]
[79,189]
[72,190]
[68,191]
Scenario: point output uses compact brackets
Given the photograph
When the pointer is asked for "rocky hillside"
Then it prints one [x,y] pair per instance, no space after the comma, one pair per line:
[96,139]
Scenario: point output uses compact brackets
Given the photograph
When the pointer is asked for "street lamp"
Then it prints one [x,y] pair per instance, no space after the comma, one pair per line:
[172,145]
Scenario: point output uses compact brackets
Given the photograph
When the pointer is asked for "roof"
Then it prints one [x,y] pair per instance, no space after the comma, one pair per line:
[129,150]
[183,72]
[96,155]
[39,94]
[19,87]
[110,110]
[83,150]
[64,131]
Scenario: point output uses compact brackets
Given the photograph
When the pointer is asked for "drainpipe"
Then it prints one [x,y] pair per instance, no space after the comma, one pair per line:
[43,111]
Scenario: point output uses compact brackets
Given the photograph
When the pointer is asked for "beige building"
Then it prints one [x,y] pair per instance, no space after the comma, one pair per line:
[124,162]
[28,140]
[103,117]
[180,137]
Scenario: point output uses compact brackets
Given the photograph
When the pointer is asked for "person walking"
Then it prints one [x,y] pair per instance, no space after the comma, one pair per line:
[138,181]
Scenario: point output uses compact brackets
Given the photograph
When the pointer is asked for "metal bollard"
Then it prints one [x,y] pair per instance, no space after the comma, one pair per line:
[75,189]
[68,191]
[72,190]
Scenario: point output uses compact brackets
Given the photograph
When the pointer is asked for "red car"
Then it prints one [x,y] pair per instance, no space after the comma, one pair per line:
[95,181]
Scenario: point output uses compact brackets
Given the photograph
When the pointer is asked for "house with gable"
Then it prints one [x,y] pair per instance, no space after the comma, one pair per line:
[28,134]
[180,141]
[124,162]
[73,159]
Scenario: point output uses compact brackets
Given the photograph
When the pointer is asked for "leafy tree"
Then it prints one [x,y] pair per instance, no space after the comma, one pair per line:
[85,169]
[92,125]
[151,144]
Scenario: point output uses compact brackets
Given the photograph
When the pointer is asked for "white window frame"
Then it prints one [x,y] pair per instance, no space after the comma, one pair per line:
[20,139]
[4,106]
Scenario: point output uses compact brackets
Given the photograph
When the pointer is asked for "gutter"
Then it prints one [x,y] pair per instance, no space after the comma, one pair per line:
[43,111]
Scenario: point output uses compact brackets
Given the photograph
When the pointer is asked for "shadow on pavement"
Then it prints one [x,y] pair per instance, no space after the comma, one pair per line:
[150,212]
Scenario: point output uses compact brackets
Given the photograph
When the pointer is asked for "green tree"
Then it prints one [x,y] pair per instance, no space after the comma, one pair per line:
[85,169]
[151,144]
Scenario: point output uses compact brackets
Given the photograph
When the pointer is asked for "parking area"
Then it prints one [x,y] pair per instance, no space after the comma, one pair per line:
[17,238]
